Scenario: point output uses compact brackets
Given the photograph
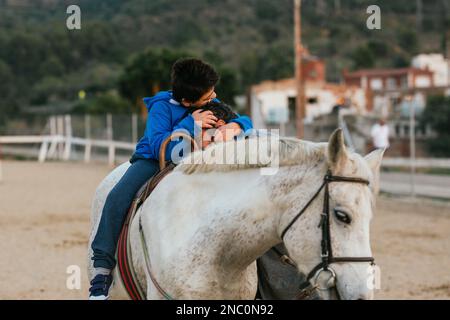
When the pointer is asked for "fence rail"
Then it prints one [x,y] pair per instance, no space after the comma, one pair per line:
[439,163]
[50,145]
[57,135]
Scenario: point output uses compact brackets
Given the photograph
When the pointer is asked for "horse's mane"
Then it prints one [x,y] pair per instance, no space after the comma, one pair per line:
[223,157]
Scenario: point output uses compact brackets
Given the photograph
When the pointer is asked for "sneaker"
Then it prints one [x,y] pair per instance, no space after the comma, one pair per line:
[100,287]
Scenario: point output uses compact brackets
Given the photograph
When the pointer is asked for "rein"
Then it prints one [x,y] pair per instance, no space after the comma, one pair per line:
[148,265]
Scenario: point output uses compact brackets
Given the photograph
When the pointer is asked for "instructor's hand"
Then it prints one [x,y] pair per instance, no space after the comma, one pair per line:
[227,132]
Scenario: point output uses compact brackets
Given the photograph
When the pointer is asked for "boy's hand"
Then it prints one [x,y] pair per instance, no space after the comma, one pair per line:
[227,132]
[207,118]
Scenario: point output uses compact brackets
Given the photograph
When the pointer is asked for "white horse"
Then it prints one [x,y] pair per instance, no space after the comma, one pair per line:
[205,225]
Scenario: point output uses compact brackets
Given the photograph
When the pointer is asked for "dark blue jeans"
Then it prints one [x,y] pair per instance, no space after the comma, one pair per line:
[116,207]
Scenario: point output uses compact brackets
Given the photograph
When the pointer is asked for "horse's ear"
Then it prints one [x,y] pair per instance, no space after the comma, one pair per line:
[374,161]
[337,153]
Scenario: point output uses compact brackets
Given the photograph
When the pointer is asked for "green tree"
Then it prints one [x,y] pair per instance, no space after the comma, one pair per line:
[147,73]
[227,87]
[437,116]
[104,103]
[277,62]
[363,57]
[378,48]
[52,67]
[7,92]
[408,40]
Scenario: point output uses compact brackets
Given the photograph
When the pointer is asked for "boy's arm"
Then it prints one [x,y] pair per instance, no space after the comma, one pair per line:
[159,127]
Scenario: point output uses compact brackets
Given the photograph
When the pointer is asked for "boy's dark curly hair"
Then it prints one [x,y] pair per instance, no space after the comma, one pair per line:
[219,109]
[192,78]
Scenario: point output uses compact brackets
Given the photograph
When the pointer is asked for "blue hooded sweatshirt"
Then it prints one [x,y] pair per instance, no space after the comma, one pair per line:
[165,116]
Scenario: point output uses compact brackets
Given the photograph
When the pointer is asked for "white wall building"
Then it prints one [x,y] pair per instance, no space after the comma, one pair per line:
[438,64]
[273,102]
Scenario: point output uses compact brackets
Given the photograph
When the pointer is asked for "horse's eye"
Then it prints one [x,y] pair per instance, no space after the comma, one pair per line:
[342,216]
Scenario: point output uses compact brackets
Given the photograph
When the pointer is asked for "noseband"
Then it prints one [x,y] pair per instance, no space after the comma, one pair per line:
[327,253]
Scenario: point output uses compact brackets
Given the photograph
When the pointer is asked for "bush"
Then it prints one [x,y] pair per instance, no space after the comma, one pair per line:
[437,116]
[148,72]
[104,103]
[363,57]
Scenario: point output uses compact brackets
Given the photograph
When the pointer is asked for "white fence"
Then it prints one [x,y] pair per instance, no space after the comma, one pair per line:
[59,141]
[418,163]
[50,144]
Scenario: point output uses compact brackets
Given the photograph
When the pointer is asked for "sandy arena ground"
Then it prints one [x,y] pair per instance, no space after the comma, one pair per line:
[44,228]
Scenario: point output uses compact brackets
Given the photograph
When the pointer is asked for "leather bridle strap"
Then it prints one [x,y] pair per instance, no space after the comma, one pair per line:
[326,247]
[302,210]
[327,179]
[327,251]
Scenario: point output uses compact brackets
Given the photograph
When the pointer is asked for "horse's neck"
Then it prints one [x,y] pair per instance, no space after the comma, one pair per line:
[217,210]
[252,230]
[220,235]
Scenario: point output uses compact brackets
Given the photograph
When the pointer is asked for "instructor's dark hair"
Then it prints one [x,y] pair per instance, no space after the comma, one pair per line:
[192,78]
[220,110]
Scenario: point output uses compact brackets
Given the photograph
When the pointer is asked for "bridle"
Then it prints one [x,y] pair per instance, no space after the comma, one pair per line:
[326,248]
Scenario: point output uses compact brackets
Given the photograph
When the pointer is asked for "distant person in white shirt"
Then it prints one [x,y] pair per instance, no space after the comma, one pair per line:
[380,135]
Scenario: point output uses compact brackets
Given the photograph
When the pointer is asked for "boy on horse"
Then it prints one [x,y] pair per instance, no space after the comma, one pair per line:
[193,85]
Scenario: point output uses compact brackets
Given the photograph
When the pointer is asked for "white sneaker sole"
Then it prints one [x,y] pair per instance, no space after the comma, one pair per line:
[98,297]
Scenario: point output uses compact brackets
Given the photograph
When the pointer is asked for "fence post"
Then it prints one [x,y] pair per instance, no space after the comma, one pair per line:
[110,134]
[87,151]
[87,126]
[68,136]
[60,129]
[109,127]
[134,127]
[87,136]
[43,151]
[412,145]
[111,153]
[53,133]
[1,164]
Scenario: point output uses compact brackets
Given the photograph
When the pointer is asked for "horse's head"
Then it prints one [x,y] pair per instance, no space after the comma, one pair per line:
[351,205]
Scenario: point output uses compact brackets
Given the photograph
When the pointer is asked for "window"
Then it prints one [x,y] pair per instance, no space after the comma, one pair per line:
[397,129]
[391,84]
[312,100]
[376,84]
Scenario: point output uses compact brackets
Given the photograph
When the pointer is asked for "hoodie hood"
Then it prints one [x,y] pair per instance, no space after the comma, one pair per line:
[160,96]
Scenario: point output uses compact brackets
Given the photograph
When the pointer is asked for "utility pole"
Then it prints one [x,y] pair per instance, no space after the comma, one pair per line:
[419,14]
[300,101]
[337,6]
[447,55]
[412,144]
